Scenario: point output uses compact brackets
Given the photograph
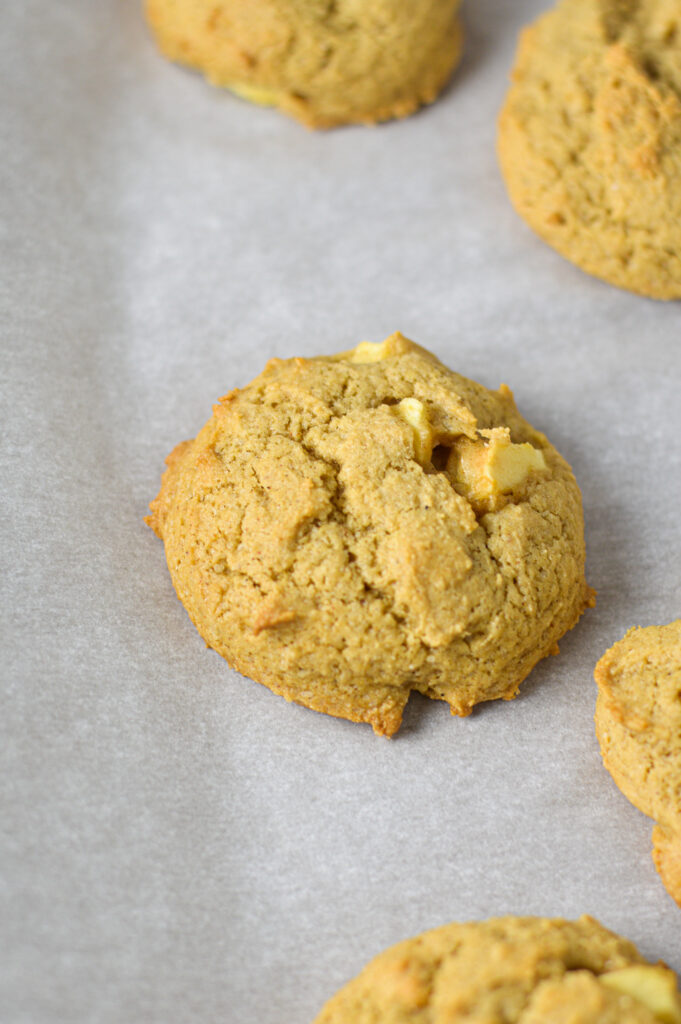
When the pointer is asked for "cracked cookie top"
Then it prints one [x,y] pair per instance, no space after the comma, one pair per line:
[590,138]
[510,970]
[325,62]
[346,529]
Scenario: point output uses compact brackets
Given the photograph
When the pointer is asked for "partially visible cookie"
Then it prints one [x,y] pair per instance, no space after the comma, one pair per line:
[590,138]
[509,970]
[326,63]
[638,723]
[347,529]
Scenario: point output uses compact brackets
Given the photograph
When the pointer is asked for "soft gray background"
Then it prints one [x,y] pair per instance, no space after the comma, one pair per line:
[179,844]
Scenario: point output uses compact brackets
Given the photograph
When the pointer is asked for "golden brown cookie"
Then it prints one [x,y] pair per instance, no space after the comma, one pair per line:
[509,970]
[347,529]
[638,724]
[326,62]
[590,138]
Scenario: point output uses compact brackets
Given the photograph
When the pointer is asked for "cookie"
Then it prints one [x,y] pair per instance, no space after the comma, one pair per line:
[528,970]
[638,724]
[324,63]
[347,529]
[590,139]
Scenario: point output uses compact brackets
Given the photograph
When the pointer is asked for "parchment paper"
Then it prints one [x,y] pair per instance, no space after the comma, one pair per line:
[179,844]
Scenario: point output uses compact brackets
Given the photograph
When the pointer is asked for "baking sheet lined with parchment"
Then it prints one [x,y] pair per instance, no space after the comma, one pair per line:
[179,844]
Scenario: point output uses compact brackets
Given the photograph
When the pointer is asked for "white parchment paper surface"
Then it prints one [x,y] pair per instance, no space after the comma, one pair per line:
[179,844]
